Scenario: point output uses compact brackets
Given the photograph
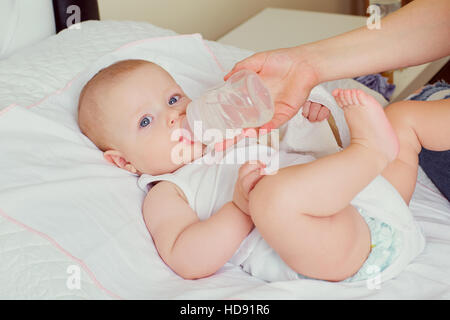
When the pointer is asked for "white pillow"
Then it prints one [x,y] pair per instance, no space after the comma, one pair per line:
[24,22]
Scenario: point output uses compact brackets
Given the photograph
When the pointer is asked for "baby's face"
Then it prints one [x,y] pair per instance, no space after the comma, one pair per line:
[146,107]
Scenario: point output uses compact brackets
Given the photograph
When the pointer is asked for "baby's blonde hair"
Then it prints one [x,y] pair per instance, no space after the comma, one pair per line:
[91,111]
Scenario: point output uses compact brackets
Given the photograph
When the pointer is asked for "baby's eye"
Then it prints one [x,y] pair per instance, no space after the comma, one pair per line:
[146,121]
[174,99]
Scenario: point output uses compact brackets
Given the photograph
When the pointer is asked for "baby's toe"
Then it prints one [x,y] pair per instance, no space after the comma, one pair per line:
[355,97]
[337,96]
[342,97]
[348,96]
[335,92]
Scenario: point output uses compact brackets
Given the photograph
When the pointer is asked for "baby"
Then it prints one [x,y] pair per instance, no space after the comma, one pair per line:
[296,223]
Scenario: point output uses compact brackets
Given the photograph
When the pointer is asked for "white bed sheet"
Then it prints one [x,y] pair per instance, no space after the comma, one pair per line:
[35,266]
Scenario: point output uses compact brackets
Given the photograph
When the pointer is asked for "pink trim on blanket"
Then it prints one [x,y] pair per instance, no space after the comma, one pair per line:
[56,244]
[67,86]
[214,56]
[8,108]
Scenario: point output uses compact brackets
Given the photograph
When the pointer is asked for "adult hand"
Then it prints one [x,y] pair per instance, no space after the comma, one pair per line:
[288,77]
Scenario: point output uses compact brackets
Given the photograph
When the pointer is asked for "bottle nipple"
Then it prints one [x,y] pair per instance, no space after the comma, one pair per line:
[187,134]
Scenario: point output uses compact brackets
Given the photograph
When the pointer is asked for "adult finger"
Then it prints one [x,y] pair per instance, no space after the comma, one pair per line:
[283,112]
[225,144]
[250,132]
[254,63]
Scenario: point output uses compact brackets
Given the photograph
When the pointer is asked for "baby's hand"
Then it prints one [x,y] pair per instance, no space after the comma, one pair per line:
[314,111]
[249,175]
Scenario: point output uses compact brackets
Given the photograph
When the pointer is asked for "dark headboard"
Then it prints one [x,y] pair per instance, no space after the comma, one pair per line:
[65,15]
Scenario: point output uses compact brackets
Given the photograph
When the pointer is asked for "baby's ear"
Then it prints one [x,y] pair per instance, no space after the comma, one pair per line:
[116,158]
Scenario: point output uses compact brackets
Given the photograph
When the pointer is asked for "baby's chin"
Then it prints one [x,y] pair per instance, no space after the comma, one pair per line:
[187,152]
[182,154]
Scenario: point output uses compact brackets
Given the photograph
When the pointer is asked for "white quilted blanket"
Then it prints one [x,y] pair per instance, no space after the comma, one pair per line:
[35,266]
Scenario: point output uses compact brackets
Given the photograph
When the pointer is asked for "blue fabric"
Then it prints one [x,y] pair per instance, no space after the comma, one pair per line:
[378,83]
[430,89]
[436,164]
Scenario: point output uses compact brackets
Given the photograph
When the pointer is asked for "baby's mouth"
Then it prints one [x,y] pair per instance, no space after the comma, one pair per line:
[185,136]
[185,140]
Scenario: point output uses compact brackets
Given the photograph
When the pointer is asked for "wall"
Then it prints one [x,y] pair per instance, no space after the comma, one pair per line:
[211,18]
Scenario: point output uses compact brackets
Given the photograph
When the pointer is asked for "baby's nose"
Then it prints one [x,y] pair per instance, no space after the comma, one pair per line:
[183,108]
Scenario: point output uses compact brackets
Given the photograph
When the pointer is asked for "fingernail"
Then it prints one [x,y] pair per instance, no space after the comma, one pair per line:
[265,129]
[249,132]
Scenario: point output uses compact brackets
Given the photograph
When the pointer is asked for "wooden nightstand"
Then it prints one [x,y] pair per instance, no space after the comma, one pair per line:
[277,28]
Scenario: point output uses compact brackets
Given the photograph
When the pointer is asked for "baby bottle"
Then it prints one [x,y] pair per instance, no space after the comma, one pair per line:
[241,102]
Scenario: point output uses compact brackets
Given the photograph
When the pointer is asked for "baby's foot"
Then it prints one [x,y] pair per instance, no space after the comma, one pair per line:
[367,122]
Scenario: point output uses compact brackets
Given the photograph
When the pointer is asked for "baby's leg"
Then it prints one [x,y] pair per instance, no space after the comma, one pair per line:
[417,124]
[327,185]
[304,211]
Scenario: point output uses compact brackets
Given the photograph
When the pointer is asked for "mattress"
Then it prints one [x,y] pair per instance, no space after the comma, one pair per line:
[35,266]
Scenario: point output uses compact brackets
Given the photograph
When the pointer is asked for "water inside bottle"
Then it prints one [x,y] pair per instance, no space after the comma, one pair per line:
[246,106]
[242,102]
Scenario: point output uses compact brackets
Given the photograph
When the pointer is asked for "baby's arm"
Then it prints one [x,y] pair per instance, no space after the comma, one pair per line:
[190,247]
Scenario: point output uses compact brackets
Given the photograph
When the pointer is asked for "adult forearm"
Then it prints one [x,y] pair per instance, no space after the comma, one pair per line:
[416,34]
[204,247]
